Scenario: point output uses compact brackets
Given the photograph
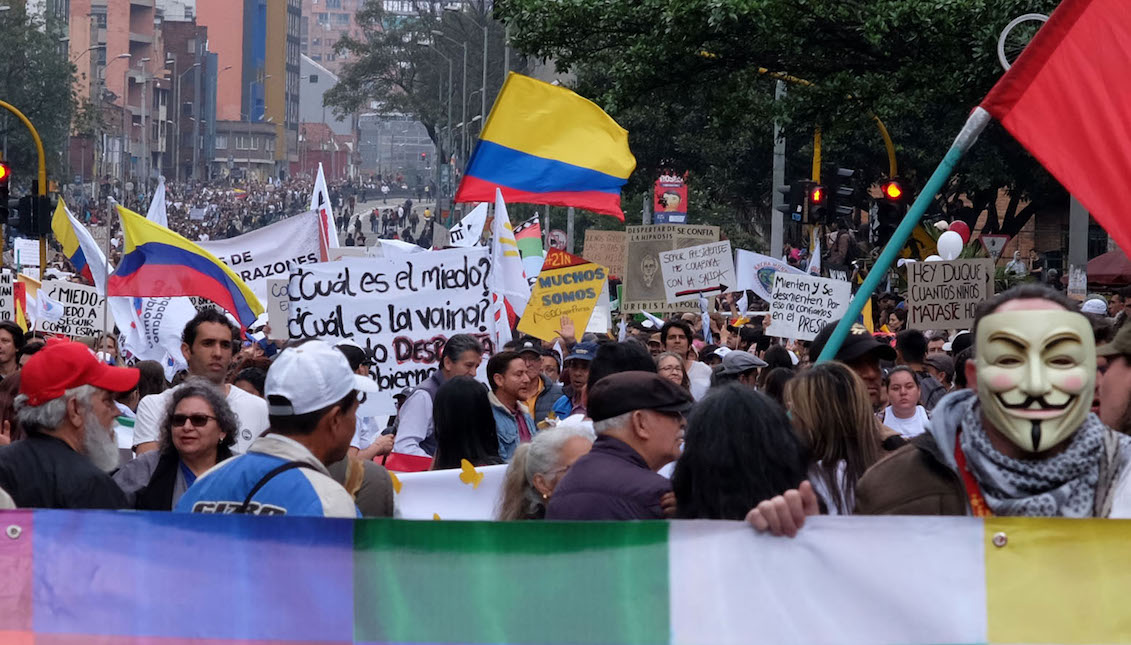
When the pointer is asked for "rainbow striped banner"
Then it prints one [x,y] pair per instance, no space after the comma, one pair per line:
[101,578]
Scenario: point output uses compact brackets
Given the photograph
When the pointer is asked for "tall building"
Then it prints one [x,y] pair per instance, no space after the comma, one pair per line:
[324,22]
[186,47]
[257,47]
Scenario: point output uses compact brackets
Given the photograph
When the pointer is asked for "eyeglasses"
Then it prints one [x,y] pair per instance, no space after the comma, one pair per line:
[197,420]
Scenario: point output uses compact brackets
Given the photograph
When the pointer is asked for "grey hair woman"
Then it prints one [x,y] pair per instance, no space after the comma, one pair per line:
[198,432]
[538,466]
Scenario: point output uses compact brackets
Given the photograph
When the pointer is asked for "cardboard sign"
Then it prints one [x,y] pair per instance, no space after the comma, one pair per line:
[269,252]
[607,249]
[566,286]
[669,203]
[7,297]
[800,305]
[944,295]
[278,304]
[706,269]
[400,309]
[83,309]
[1078,282]
[643,282]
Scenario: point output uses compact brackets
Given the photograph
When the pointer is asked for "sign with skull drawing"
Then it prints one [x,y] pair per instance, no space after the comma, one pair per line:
[643,282]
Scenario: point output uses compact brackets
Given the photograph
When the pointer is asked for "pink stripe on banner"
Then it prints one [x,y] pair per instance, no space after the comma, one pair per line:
[15,575]
[83,639]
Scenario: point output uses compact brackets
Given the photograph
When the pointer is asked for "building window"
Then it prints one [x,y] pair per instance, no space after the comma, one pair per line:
[314,79]
[341,19]
[322,18]
[333,4]
[270,145]
[316,58]
[222,141]
[99,15]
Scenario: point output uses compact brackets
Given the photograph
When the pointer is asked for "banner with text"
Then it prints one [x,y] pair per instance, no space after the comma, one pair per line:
[801,304]
[706,269]
[83,309]
[643,282]
[607,249]
[566,286]
[269,252]
[400,309]
[7,297]
[944,295]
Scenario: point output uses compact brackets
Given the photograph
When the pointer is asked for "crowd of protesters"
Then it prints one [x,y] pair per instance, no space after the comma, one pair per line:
[1026,413]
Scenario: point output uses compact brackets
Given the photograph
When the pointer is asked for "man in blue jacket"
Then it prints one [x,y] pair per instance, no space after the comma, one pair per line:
[312,400]
[510,385]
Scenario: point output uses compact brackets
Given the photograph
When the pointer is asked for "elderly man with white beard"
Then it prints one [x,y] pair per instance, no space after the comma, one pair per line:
[66,409]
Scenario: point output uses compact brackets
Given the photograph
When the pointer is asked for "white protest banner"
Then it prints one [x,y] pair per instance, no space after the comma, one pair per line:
[755,272]
[601,320]
[944,295]
[400,309]
[269,252]
[278,303]
[445,493]
[82,309]
[470,228]
[197,214]
[695,270]
[7,297]
[27,252]
[801,304]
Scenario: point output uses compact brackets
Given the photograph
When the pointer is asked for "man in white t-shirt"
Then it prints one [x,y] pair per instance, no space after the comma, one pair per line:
[368,442]
[676,337]
[208,341]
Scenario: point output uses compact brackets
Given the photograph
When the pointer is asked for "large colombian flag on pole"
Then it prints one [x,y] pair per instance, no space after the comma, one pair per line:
[158,262]
[1067,100]
[544,144]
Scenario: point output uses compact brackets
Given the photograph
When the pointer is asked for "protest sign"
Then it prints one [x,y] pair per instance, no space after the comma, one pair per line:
[694,270]
[7,298]
[269,252]
[601,320]
[605,248]
[944,295]
[278,303]
[755,272]
[400,309]
[27,252]
[83,308]
[567,286]
[643,283]
[801,304]
[1077,282]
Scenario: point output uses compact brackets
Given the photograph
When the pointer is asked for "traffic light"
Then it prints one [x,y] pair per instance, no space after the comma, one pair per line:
[892,190]
[5,178]
[793,200]
[34,213]
[842,195]
[816,200]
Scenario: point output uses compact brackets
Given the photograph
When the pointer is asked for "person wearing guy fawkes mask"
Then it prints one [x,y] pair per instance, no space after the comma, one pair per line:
[1022,441]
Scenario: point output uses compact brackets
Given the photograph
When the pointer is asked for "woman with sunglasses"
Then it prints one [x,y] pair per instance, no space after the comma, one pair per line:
[198,433]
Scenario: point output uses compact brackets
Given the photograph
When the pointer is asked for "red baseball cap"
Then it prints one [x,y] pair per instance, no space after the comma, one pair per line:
[63,365]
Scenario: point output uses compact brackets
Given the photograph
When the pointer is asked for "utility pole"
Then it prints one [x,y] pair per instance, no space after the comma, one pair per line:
[483,93]
[463,114]
[196,101]
[777,223]
[1077,238]
[569,230]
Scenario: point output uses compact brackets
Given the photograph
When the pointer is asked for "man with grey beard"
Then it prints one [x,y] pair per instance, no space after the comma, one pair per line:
[66,409]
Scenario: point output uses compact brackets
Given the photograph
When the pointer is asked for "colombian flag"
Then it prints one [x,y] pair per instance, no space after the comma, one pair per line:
[65,234]
[544,144]
[158,262]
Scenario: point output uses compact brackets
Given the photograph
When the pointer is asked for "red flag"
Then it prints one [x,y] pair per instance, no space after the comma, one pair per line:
[1068,101]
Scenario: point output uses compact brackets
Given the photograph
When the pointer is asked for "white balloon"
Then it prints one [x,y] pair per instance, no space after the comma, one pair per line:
[950,245]
[933,258]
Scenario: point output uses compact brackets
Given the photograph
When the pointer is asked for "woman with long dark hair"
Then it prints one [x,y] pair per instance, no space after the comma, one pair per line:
[464,425]
[738,451]
[198,433]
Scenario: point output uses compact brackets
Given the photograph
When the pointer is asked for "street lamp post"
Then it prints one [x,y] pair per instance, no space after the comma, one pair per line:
[463,115]
[250,138]
[144,128]
[196,125]
[449,146]
[177,119]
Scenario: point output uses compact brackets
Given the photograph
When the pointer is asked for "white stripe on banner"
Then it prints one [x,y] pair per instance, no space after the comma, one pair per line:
[427,494]
[734,586]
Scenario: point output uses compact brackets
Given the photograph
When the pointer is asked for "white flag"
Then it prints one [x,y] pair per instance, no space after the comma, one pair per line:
[815,253]
[470,228]
[157,209]
[47,308]
[320,202]
[506,264]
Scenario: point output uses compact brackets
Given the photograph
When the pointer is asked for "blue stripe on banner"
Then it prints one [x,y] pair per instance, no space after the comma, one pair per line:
[509,167]
[157,253]
[180,575]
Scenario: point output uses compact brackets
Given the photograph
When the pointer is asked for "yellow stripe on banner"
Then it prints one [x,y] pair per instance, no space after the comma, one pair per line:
[508,241]
[1058,581]
[510,254]
[555,123]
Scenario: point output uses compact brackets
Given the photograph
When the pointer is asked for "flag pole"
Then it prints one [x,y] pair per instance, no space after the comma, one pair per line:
[977,122]
[106,264]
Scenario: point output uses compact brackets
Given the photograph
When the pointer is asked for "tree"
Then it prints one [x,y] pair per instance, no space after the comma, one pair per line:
[396,65]
[688,81]
[37,78]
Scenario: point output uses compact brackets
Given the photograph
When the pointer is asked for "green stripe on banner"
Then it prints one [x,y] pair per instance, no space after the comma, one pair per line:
[481,582]
[529,246]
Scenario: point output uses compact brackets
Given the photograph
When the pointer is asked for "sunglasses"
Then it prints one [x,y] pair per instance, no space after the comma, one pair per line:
[197,420]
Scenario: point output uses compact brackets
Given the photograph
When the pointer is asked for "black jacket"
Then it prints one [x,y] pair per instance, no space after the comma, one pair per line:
[612,482]
[44,472]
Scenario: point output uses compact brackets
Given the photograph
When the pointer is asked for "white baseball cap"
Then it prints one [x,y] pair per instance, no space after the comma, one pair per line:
[1094,306]
[312,376]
